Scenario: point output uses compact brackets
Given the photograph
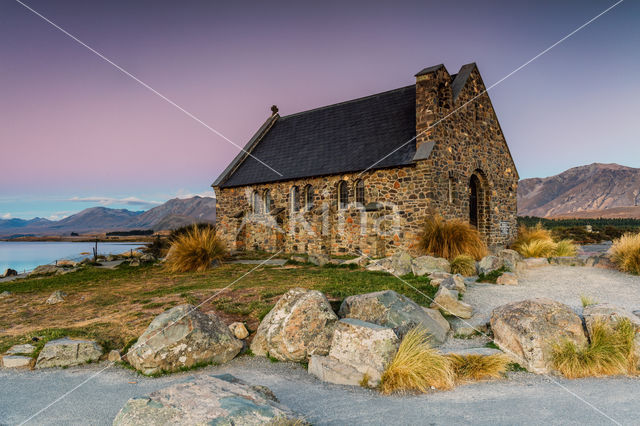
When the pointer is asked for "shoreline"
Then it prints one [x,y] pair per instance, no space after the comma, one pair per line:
[83,239]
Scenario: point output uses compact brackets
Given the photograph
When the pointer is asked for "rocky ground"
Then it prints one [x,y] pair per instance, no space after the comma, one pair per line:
[523,399]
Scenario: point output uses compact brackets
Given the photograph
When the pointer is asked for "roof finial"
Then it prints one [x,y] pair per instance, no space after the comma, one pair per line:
[274,109]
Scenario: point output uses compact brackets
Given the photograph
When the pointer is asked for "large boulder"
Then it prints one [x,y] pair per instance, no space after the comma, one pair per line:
[425,265]
[508,278]
[319,259]
[10,273]
[455,282]
[56,297]
[489,264]
[399,264]
[182,337]
[393,310]
[66,352]
[360,352]
[448,303]
[45,270]
[510,258]
[526,331]
[610,315]
[299,325]
[211,400]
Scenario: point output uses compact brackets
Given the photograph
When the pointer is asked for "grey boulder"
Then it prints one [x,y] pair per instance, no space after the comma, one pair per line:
[67,352]
[427,265]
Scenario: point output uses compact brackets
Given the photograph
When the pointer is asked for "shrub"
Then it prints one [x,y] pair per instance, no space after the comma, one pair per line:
[565,248]
[417,366]
[625,253]
[175,233]
[611,351]
[158,247]
[478,367]
[537,248]
[452,238]
[195,250]
[463,265]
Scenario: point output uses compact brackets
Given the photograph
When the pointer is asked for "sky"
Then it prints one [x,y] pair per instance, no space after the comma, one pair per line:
[77,132]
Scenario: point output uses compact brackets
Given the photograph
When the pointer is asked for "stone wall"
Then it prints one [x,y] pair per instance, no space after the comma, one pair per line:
[468,142]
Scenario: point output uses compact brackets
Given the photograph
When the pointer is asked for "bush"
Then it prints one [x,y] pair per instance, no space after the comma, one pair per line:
[565,248]
[178,232]
[611,351]
[417,366]
[625,253]
[478,367]
[463,265]
[195,250]
[158,247]
[537,248]
[452,238]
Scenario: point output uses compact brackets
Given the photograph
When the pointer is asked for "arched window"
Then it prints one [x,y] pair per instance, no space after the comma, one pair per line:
[256,203]
[343,195]
[359,190]
[267,201]
[294,199]
[308,197]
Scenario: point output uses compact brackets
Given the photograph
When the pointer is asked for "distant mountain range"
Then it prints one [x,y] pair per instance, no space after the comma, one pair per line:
[172,214]
[596,190]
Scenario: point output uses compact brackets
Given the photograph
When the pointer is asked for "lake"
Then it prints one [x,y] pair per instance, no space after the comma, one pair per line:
[26,255]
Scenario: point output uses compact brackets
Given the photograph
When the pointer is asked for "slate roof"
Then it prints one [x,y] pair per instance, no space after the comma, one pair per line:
[346,137]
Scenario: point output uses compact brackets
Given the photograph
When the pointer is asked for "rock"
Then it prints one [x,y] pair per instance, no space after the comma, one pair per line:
[526,331]
[111,258]
[25,349]
[16,361]
[65,263]
[5,294]
[56,297]
[211,400]
[45,270]
[477,324]
[489,264]
[636,313]
[383,265]
[610,315]
[508,278]
[299,325]
[182,337]
[319,259]
[393,310]
[299,259]
[454,282]
[474,351]
[603,262]
[239,330]
[438,275]
[567,261]
[447,302]
[134,262]
[510,258]
[401,263]
[66,352]
[147,258]
[356,345]
[360,261]
[114,356]
[534,262]
[424,265]
[10,273]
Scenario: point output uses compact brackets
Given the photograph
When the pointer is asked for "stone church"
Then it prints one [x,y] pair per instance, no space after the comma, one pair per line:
[361,175]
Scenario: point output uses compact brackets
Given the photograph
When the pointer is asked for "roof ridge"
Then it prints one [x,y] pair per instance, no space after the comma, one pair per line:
[346,102]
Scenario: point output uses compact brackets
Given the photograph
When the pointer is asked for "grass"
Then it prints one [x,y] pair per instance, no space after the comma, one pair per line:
[611,351]
[89,310]
[587,301]
[417,366]
[537,241]
[464,265]
[538,248]
[565,248]
[452,238]
[492,277]
[478,367]
[625,253]
[195,250]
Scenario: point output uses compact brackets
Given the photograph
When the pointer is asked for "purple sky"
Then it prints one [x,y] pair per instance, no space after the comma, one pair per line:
[76,132]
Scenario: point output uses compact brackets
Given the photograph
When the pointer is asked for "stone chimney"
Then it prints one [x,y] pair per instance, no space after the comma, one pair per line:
[433,102]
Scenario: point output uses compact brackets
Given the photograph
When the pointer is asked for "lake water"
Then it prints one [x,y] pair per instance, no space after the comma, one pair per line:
[26,255]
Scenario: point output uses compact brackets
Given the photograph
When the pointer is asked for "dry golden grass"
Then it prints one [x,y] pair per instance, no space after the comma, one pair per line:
[528,234]
[625,253]
[587,301]
[417,366]
[451,238]
[463,265]
[565,248]
[537,248]
[195,250]
[611,351]
[478,367]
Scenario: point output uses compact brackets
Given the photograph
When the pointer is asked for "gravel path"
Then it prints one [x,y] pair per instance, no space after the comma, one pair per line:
[523,399]
[565,284]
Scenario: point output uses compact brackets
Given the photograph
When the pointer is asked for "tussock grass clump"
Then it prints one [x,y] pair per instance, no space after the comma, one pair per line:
[537,248]
[565,248]
[478,367]
[451,238]
[195,250]
[417,366]
[625,253]
[464,265]
[527,234]
[587,301]
[610,352]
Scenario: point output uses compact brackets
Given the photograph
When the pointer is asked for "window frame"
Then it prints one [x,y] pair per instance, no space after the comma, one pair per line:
[294,199]
[266,200]
[256,202]
[343,199]
[309,197]
[358,187]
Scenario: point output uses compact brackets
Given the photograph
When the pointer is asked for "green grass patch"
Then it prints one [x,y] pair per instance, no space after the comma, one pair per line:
[492,276]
